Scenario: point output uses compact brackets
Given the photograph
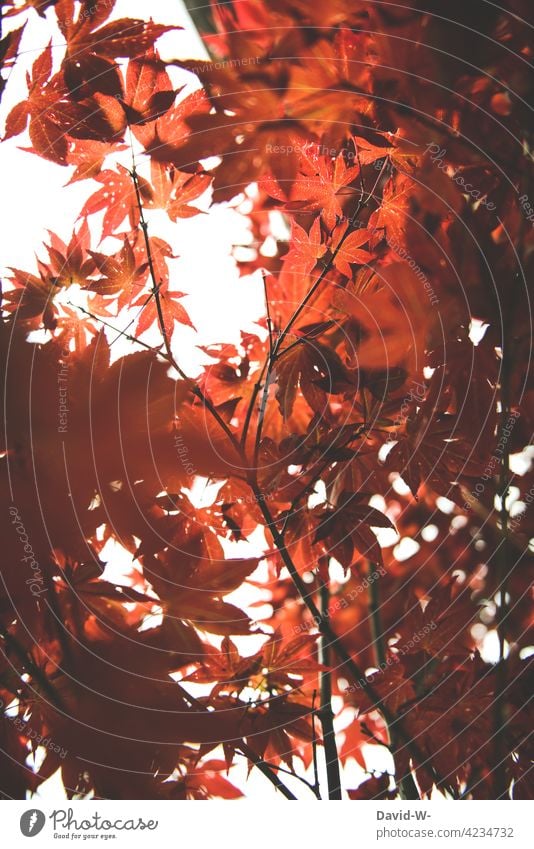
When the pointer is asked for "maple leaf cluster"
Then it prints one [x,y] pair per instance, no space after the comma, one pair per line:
[363,408]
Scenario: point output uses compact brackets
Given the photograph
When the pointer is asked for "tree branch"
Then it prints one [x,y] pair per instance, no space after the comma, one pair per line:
[326,631]
[197,391]
[275,351]
[38,676]
[326,714]
[336,644]
[314,750]
[502,575]
[246,750]
[406,783]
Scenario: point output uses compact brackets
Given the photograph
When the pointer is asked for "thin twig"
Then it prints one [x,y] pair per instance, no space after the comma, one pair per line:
[268,310]
[115,329]
[277,768]
[268,771]
[246,750]
[272,357]
[156,285]
[368,733]
[252,403]
[310,485]
[197,391]
[362,202]
[134,319]
[38,676]
[261,418]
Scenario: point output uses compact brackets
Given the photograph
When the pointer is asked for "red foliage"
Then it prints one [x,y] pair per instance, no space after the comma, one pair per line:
[400,172]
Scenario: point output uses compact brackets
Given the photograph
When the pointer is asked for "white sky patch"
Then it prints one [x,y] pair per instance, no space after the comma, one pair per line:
[384,450]
[405,549]
[521,463]
[337,572]
[490,647]
[398,484]
[477,330]
[429,533]
[445,504]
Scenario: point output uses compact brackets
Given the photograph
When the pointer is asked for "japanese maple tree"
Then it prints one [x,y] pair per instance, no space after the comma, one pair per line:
[357,444]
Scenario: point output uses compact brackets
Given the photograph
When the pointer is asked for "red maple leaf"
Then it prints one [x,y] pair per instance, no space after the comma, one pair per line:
[89,64]
[347,527]
[347,248]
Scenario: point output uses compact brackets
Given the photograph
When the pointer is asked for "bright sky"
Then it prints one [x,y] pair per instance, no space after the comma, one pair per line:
[219,302]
